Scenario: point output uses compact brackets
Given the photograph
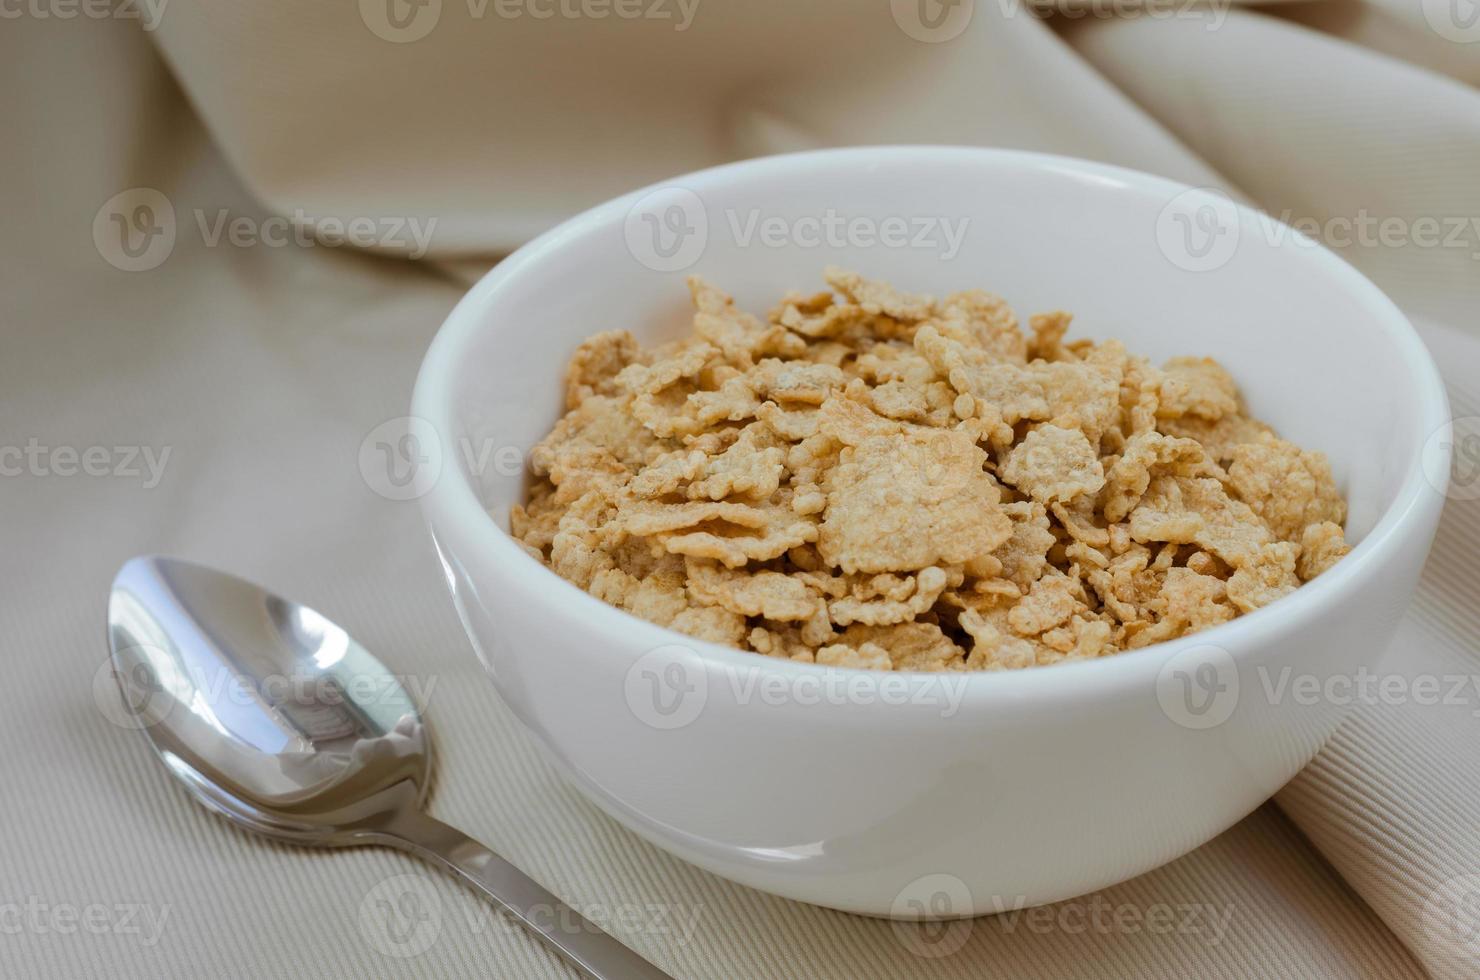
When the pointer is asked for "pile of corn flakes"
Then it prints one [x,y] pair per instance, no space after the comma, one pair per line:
[869,478]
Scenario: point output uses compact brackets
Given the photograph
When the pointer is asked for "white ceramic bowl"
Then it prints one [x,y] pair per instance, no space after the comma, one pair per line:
[911,794]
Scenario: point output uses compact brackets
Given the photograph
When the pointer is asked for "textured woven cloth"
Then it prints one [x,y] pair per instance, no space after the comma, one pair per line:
[220,393]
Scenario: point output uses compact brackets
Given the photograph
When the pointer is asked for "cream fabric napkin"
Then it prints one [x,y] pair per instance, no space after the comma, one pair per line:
[227,385]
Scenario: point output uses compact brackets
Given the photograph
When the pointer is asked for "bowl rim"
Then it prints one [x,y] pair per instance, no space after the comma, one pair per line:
[452,496]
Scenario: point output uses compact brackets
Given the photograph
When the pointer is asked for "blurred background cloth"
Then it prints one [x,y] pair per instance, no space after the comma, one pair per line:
[249,359]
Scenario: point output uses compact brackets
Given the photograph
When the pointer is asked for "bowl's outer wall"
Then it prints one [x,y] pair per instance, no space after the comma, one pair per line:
[1025,802]
[1029,789]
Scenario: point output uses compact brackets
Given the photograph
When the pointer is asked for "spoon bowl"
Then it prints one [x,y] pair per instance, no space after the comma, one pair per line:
[274,717]
[270,714]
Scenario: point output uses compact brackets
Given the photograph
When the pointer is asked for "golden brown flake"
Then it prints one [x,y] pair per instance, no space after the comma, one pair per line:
[1143,454]
[772,595]
[1267,575]
[912,646]
[1321,546]
[739,336]
[983,319]
[874,479]
[1290,488]
[1053,463]
[595,365]
[1197,386]
[906,500]
[1050,602]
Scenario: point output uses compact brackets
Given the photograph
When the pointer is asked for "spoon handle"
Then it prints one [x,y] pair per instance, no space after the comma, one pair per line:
[594,953]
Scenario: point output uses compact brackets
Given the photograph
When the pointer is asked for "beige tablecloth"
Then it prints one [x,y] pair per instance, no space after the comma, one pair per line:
[212,402]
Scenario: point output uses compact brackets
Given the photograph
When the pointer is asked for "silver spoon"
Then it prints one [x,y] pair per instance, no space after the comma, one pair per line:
[273,717]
